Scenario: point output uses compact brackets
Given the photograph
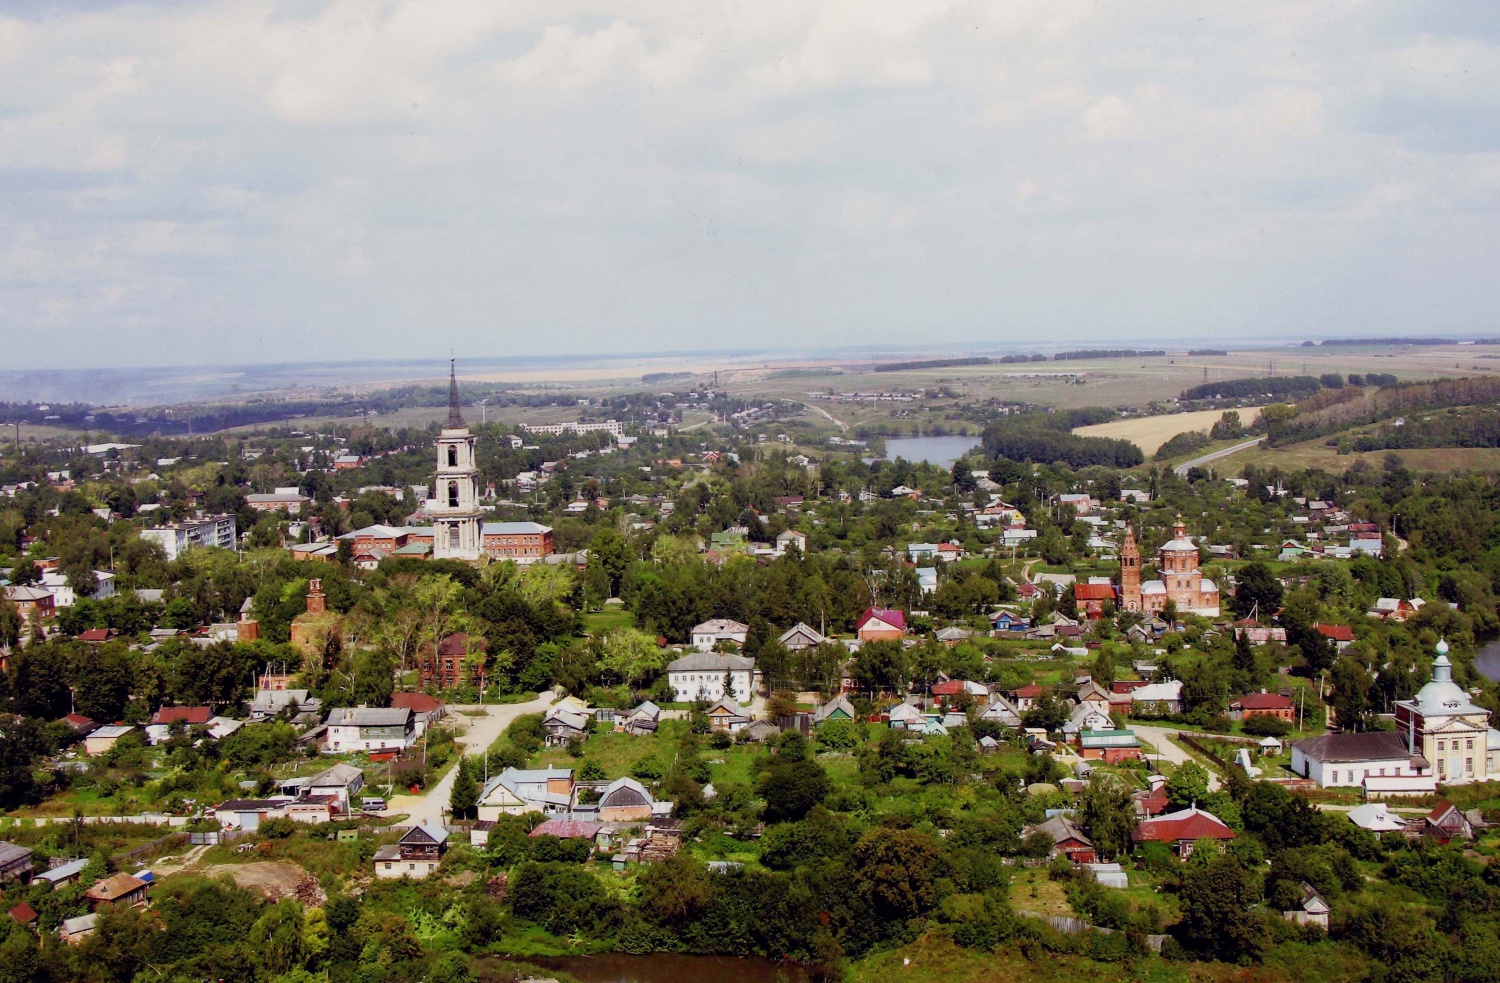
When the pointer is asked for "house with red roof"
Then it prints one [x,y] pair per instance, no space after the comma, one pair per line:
[1263,704]
[880,624]
[1025,698]
[1182,829]
[425,710]
[1091,599]
[1342,635]
[162,721]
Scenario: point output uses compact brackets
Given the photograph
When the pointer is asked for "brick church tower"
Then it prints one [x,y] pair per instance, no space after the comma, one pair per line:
[1130,572]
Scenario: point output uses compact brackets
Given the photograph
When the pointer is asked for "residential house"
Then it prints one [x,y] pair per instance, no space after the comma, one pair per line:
[1026,696]
[270,702]
[1182,829]
[838,708]
[719,630]
[952,635]
[74,930]
[201,532]
[570,829]
[166,718]
[701,676]
[342,783]
[416,855]
[370,729]
[1068,839]
[426,710]
[64,873]
[1001,711]
[1342,635]
[1086,716]
[801,636]
[103,740]
[15,862]
[1263,704]
[1446,823]
[1092,599]
[904,716]
[1395,608]
[1157,699]
[728,716]
[564,727]
[1310,910]
[1109,746]
[247,814]
[288,500]
[515,792]
[1377,818]
[880,624]
[31,603]
[626,800]
[117,889]
[644,719]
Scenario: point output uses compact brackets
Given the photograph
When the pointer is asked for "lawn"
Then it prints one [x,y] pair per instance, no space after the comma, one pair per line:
[618,754]
[600,622]
[1031,890]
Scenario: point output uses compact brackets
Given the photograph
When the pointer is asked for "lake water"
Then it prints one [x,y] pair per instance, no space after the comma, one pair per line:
[1487,660]
[942,451]
[672,967]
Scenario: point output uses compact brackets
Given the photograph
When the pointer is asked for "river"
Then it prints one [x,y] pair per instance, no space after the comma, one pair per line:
[942,451]
[1487,660]
[672,967]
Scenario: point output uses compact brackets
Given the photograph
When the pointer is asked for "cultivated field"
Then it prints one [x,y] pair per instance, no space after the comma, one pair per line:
[1317,454]
[1150,432]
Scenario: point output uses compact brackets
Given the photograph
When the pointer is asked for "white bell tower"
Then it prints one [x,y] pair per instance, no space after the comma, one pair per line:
[454,506]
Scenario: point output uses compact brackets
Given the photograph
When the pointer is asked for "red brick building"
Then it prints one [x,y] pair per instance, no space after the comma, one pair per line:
[523,542]
[1091,599]
[445,669]
[1263,704]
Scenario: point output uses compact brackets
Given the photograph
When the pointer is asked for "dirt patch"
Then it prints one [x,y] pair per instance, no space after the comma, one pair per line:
[273,881]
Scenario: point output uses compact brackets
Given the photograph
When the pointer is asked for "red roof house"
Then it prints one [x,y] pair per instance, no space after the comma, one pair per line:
[1263,704]
[880,623]
[1181,829]
[1091,598]
[187,715]
[568,829]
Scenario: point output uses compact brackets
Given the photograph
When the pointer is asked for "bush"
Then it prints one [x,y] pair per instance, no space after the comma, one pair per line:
[1265,725]
[278,828]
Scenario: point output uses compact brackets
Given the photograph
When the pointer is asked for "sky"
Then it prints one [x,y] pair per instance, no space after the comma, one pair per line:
[204,182]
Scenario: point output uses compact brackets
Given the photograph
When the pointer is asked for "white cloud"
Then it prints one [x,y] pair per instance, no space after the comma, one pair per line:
[668,174]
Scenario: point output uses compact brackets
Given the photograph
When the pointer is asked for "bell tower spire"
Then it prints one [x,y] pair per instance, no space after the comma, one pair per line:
[455,417]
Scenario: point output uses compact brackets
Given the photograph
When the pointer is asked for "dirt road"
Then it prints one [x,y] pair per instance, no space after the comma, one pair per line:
[1157,736]
[478,733]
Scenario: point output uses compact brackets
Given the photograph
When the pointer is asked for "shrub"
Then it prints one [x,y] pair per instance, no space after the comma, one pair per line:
[278,828]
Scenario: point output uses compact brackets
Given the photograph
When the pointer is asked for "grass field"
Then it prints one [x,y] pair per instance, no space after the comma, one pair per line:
[1150,432]
[1317,454]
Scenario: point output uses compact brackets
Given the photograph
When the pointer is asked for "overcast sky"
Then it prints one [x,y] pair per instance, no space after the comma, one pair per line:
[260,181]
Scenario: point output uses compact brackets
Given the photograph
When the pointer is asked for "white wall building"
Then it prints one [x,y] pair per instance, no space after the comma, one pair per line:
[700,676]
[716,630]
[63,594]
[207,530]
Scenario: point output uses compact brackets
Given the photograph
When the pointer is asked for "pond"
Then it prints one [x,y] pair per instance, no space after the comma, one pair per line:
[672,967]
[941,451]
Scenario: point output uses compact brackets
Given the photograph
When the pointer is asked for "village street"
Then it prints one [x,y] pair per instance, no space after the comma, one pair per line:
[1157,738]
[476,734]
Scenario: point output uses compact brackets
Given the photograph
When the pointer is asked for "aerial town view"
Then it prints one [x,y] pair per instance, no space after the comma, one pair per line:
[772,493]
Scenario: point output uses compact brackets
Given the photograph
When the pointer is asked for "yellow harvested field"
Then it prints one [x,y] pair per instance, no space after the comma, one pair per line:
[1150,432]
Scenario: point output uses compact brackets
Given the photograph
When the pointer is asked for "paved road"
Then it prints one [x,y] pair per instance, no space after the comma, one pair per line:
[1182,469]
[478,734]
[1157,736]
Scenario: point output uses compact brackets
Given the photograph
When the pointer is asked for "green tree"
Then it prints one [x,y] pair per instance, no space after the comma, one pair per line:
[1108,813]
[892,873]
[1218,899]
[1188,785]
[612,555]
[463,801]
[1257,591]
[277,938]
[790,789]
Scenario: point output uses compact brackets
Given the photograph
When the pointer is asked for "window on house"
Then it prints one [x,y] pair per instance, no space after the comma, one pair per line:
[1469,765]
[1469,744]
[1440,745]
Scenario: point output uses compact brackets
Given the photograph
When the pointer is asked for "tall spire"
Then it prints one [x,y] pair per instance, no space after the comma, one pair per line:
[455,418]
